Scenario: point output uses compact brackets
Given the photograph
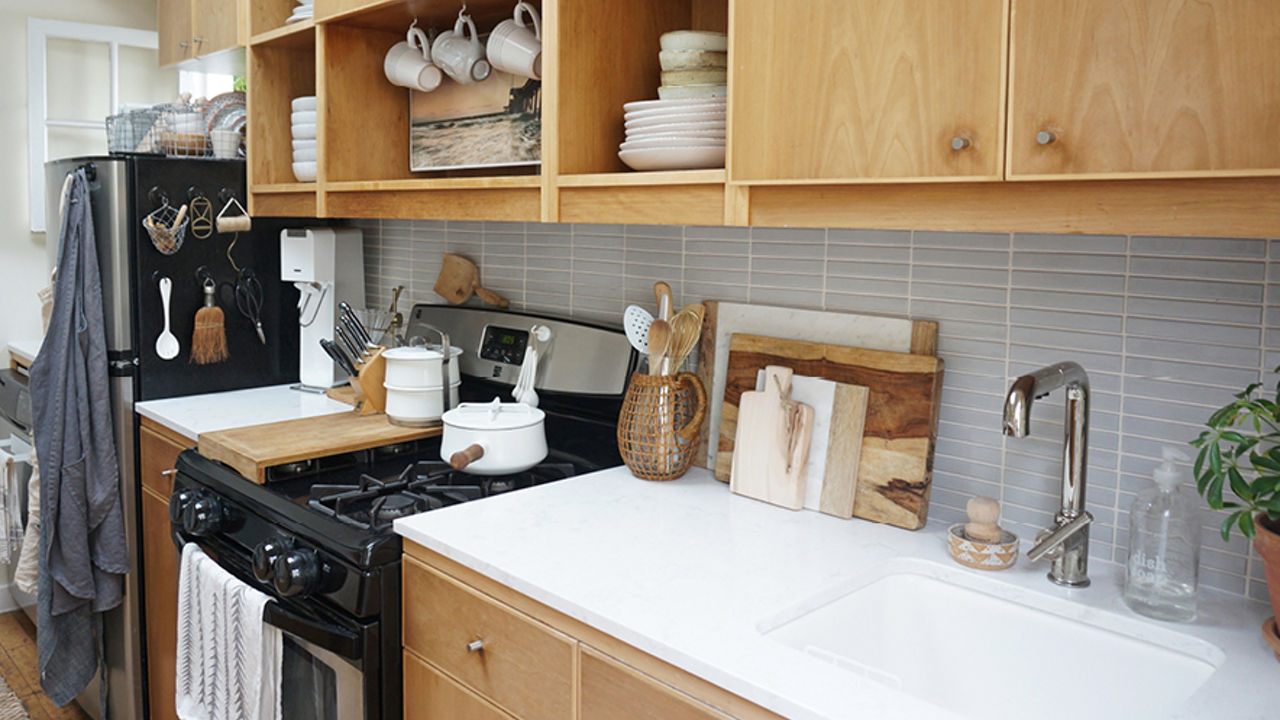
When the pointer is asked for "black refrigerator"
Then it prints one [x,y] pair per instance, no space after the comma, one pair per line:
[124,190]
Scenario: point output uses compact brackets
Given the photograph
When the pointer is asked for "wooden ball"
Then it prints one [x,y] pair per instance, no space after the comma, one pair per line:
[983,510]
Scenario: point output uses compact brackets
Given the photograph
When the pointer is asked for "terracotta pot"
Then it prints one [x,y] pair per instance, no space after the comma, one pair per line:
[1267,543]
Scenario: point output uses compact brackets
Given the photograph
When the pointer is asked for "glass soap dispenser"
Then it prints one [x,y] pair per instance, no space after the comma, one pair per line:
[1164,547]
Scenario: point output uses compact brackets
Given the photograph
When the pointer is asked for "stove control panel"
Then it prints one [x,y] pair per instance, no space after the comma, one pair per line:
[503,345]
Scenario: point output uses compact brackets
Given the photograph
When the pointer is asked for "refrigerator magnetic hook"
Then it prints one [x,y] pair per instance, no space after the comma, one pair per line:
[203,274]
[157,197]
[90,171]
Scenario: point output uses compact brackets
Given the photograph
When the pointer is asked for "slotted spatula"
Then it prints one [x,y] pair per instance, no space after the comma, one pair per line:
[637,320]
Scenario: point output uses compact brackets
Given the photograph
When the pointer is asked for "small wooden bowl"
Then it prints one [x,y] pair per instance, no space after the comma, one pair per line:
[981,555]
[1271,635]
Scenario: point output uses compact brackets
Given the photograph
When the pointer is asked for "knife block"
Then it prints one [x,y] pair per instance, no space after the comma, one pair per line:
[659,424]
[371,394]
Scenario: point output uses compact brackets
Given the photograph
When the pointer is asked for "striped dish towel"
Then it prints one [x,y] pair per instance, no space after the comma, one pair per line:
[228,658]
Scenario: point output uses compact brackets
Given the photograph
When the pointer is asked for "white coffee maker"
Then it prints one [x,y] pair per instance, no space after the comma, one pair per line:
[327,267]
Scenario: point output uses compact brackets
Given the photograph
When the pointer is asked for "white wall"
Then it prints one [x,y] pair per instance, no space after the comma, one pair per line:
[22,253]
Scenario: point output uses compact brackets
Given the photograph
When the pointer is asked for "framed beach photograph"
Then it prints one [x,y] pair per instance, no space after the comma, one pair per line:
[494,123]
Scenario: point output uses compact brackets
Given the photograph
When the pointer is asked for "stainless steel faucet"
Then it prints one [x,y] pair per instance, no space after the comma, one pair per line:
[1067,542]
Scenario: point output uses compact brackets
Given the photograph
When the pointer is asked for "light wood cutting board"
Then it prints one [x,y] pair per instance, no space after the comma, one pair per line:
[895,466]
[772,449]
[251,450]
[723,319]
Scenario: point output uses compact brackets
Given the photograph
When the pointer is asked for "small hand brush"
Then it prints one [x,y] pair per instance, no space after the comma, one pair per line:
[209,340]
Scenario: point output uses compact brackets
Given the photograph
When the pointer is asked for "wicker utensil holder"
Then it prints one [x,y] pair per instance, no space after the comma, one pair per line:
[659,423]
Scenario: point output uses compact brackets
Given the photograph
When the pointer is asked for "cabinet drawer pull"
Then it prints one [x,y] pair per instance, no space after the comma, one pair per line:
[170,471]
[1044,137]
[197,40]
[960,142]
[183,44]
[475,646]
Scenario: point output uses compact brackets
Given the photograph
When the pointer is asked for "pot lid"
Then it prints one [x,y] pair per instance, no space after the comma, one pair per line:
[495,415]
[419,353]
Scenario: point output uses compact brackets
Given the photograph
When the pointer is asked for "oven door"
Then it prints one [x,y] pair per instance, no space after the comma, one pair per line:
[331,666]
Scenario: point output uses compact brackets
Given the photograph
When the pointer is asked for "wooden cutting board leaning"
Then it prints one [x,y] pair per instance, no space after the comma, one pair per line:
[895,462]
[723,319]
[772,449]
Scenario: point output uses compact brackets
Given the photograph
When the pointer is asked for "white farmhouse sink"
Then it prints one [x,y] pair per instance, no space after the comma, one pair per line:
[985,648]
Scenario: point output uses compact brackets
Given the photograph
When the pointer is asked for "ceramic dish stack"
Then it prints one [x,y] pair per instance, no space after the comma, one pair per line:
[303,119]
[681,134]
[695,64]
[305,11]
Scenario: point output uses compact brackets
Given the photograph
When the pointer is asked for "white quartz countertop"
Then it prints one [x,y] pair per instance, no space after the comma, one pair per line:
[689,572]
[25,350]
[196,414]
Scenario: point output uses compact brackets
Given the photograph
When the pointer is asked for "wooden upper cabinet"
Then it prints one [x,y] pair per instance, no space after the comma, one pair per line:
[1144,88]
[214,25]
[173,23]
[867,90]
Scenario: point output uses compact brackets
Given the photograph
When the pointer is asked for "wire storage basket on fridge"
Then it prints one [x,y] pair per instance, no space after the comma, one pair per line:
[176,129]
[135,130]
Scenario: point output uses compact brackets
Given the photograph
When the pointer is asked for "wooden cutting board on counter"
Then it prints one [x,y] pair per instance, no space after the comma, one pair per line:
[723,319]
[895,463]
[251,450]
[771,453]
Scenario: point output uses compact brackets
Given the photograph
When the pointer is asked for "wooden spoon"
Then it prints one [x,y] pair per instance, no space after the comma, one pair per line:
[659,341]
[662,293]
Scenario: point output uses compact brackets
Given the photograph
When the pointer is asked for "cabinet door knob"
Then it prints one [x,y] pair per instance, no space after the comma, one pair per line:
[170,471]
[183,44]
[1044,137]
[198,40]
[960,142]
[475,646]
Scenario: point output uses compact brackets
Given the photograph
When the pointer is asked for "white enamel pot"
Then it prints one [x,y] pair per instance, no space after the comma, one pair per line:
[417,407]
[419,367]
[494,438]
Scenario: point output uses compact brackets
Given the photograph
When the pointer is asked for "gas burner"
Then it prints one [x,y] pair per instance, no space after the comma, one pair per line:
[389,507]
[390,451]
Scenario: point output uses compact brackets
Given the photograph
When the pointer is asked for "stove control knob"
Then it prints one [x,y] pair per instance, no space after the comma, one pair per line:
[265,556]
[203,516]
[178,504]
[297,573]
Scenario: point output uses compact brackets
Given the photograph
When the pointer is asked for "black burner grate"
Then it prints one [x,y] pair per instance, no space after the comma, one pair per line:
[373,503]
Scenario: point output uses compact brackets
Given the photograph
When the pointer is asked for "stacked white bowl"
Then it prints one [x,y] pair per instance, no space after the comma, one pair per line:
[684,129]
[303,121]
[674,134]
[695,64]
[305,10]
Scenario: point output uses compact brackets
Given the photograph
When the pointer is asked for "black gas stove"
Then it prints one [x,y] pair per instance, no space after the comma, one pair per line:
[317,536]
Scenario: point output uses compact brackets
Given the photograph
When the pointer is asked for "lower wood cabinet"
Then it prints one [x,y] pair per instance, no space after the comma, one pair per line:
[158,453]
[477,650]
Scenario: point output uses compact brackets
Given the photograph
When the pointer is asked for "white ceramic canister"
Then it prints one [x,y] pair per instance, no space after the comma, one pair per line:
[419,367]
[416,407]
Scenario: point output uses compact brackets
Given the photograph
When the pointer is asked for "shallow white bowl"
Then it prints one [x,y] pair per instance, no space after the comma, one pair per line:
[690,92]
[645,105]
[303,103]
[671,142]
[304,132]
[641,122]
[304,144]
[674,138]
[304,171]
[694,40]
[673,158]
[301,156]
[715,128]
[305,117]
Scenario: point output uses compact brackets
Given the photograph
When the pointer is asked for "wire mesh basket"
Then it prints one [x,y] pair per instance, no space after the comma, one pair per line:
[167,227]
[135,131]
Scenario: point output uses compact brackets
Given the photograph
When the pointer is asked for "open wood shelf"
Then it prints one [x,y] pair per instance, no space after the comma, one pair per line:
[283,188]
[437,183]
[632,179]
[300,34]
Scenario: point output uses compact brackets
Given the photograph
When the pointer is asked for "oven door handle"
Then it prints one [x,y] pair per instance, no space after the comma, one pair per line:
[333,638]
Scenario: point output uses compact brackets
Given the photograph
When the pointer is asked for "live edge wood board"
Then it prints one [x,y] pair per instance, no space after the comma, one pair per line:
[896,465]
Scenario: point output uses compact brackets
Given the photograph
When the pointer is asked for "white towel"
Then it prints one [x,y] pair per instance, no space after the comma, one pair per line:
[13,454]
[27,574]
[228,658]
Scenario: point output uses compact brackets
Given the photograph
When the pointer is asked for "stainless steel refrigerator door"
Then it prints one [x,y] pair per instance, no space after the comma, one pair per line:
[108,194]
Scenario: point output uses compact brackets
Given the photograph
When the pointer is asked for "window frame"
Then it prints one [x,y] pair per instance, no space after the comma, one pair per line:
[39,31]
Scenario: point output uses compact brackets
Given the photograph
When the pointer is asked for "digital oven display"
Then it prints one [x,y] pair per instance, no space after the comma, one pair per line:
[503,345]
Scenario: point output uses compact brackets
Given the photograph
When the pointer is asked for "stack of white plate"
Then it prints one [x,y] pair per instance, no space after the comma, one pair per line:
[695,64]
[305,10]
[303,121]
[674,134]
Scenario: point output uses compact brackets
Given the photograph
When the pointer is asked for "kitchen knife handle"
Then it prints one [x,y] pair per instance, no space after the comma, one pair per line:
[689,432]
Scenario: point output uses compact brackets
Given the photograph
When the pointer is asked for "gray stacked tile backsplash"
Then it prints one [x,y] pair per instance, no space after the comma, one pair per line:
[1168,329]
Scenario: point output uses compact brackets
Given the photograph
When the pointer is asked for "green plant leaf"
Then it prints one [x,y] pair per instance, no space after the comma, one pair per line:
[1214,494]
[1265,485]
[1239,486]
[1200,458]
[1225,530]
[1246,524]
[1215,459]
[1273,505]
[1263,462]
[1232,436]
[1202,481]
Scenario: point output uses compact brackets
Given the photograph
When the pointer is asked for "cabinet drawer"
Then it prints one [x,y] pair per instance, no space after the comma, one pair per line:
[157,456]
[613,691]
[519,663]
[428,695]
